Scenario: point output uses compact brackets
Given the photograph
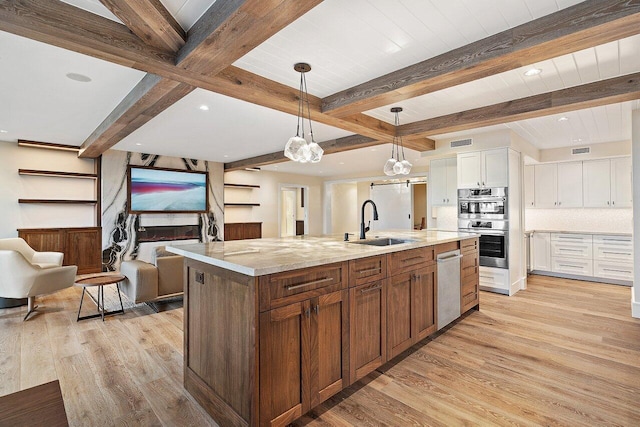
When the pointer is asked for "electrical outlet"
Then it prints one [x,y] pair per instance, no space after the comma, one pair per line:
[200,277]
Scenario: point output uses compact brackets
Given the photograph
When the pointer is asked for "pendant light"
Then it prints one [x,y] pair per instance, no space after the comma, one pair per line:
[395,166]
[297,148]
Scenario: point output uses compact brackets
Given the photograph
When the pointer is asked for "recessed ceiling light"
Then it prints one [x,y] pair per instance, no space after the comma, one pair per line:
[225,156]
[204,107]
[4,131]
[79,77]
[374,149]
[138,143]
[342,163]
[577,140]
[563,119]
[532,72]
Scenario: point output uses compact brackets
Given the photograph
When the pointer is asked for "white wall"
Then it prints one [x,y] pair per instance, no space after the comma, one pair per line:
[580,219]
[635,137]
[598,151]
[344,208]
[267,196]
[14,187]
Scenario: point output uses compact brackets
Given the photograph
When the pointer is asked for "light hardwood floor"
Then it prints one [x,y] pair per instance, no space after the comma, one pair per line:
[562,352]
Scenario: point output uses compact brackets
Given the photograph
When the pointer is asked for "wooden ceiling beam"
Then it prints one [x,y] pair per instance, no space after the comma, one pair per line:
[150,21]
[611,91]
[59,24]
[346,143]
[224,33]
[584,25]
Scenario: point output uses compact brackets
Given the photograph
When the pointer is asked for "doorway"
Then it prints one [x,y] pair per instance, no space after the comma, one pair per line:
[419,206]
[293,212]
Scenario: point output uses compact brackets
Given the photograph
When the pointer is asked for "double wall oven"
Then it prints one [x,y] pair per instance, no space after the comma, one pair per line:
[485,211]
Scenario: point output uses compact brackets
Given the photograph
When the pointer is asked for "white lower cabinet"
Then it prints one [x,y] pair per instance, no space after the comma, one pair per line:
[591,257]
[494,279]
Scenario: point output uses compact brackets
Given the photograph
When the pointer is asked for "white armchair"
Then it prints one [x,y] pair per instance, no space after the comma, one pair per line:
[27,273]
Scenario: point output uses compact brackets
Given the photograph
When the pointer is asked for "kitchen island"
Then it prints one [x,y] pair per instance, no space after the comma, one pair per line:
[273,327]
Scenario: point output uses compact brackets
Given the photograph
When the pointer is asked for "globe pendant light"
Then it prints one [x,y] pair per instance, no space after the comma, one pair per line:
[395,166]
[297,148]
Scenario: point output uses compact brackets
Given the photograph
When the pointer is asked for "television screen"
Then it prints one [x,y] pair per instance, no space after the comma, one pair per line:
[154,190]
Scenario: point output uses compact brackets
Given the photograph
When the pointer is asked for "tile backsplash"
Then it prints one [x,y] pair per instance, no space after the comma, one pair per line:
[585,220]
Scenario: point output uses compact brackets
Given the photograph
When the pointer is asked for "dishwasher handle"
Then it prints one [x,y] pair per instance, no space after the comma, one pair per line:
[448,259]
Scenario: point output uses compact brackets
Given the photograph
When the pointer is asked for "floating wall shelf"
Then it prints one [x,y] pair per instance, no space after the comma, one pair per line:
[242,204]
[59,201]
[59,174]
[241,186]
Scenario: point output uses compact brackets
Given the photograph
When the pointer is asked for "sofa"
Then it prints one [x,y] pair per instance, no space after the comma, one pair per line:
[153,281]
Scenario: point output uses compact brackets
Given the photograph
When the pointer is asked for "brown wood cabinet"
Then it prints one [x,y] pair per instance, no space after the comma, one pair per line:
[242,230]
[265,350]
[469,275]
[81,246]
[411,308]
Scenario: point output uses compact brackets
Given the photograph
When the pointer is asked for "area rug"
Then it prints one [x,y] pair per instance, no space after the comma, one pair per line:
[111,301]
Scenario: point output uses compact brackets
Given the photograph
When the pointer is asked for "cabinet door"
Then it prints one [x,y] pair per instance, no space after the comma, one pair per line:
[597,183]
[469,167]
[83,248]
[541,251]
[529,186]
[328,346]
[399,314]
[570,185]
[495,168]
[424,303]
[284,361]
[452,182]
[621,184]
[438,182]
[546,182]
[368,328]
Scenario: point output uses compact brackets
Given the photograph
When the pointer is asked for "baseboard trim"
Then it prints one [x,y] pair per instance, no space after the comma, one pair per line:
[584,278]
[635,304]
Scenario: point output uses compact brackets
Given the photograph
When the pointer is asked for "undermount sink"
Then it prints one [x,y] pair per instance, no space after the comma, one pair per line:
[382,242]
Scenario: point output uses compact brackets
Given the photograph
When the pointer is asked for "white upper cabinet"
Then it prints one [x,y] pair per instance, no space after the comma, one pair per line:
[546,186]
[570,185]
[529,186]
[469,170]
[443,182]
[483,169]
[495,168]
[597,183]
[621,183]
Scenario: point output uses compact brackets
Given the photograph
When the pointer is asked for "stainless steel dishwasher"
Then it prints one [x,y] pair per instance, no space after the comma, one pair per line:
[448,287]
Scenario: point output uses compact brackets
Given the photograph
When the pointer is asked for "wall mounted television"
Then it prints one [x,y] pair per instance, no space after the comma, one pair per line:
[160,190]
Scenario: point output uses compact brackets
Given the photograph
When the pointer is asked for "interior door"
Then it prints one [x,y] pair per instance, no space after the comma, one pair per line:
[288,215]
[394,207]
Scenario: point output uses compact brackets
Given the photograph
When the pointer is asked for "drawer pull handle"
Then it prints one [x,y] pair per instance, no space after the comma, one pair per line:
[570,237]
[616,253]
[317,309]
[412,259]
[313,282]
[617,271]
[371,270]
[570,250]
[570,266]
[375,288]
[617,240]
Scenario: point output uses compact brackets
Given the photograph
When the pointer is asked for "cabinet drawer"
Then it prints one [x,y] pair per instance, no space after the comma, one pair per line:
[613,270]
[613,253]
[567,249]
[494,278]
[572,266]
[622,241]
[367,270]
[469,264]
[299,285]
[469,296]
[401,262]
[571,237]
[469,245]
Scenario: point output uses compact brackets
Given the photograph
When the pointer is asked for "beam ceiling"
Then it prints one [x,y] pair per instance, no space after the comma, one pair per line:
[587,24]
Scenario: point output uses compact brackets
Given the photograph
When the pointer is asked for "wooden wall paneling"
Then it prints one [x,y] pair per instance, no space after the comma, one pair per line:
[221,361]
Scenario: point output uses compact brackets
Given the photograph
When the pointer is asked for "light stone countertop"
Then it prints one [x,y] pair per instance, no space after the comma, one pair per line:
[257,257]
[597,233]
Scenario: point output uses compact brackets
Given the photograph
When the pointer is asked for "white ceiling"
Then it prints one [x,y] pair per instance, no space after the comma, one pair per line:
[346,43]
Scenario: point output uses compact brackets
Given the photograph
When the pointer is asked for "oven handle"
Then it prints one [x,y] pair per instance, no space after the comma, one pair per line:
[484,199]
[484,231]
